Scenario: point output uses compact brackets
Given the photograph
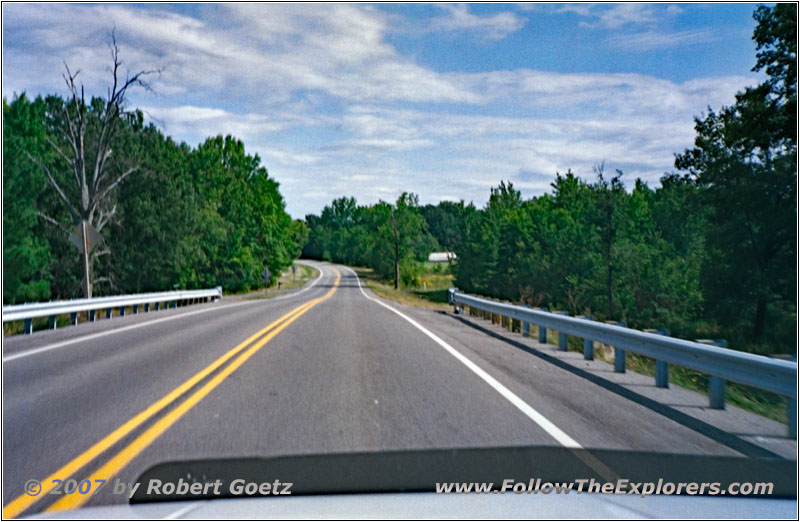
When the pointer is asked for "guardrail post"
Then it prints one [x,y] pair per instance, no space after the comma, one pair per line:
[716,389]
[588,344]
[791,417]
[451,297]
[662,367]
[619,353]
[526,326]
[155,306]
[30,313]
[563,338]
[716,393]
[542,330]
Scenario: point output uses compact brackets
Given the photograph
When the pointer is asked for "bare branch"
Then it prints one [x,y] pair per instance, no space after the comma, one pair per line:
[71,138]
[61,153]
[54,183]
[116,182]
[52,221]
[105,217]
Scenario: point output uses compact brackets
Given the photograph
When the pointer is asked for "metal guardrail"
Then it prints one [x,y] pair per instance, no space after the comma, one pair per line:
[722,364]
[29,311]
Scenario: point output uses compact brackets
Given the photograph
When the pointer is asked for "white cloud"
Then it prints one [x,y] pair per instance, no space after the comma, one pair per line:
[333,108]
[650,40]
[617,15]
[458,17]
[635,25]
[272,50]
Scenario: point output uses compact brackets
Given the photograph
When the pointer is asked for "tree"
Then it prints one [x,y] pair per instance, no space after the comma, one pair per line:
[745,161]
[153,238]
[84,137]
[403,227]
[300,233]
[26,253]
[242,223]
[608,219]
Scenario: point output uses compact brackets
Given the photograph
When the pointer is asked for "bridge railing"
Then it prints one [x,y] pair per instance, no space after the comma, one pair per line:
[722,364]
[29,311]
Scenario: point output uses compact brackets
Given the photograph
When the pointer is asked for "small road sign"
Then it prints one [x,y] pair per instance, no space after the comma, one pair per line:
[93,237]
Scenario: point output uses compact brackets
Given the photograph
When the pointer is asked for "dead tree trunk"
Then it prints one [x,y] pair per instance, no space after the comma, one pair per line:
[82,135]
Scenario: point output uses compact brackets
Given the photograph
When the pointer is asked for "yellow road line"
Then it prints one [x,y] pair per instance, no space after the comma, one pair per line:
[22,502]
[126,455]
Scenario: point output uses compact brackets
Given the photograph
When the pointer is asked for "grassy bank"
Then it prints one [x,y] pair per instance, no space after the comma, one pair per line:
[286,281]
[758,401]
[430,292]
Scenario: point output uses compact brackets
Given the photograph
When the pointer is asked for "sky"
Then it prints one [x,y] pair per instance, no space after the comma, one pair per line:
[371,100]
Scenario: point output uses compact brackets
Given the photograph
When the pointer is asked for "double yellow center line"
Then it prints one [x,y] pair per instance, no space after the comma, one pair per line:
[116,463]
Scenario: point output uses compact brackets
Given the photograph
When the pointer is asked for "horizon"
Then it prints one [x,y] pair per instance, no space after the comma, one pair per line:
[370,101]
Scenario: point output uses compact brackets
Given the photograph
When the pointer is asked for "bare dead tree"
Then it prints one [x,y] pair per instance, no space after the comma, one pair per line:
[82,135]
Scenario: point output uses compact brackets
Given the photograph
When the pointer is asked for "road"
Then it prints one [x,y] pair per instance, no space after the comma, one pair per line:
[343,371]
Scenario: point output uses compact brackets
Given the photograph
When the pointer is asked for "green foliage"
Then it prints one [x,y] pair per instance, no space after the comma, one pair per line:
[591,248]
[389,238]
[26,254]
[186,218]
[708,253]
[745,164]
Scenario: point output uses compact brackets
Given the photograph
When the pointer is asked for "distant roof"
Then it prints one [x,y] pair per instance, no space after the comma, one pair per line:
[441,256]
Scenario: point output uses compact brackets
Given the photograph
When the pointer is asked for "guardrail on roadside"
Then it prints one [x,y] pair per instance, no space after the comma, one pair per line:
[29,311]
[722,364]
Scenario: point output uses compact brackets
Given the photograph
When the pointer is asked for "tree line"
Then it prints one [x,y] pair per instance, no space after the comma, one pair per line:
[712,250]
[168,215]
[388,237]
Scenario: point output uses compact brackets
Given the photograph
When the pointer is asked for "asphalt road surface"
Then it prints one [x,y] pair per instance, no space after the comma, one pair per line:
[327,368]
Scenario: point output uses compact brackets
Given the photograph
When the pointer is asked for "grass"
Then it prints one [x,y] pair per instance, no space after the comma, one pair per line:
[287,281]
[430,293]
[764,403]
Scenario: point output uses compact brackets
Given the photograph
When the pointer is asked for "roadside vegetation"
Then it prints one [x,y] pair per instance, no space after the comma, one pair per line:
[709,253]
[284,282]
[430,292]
[169,215]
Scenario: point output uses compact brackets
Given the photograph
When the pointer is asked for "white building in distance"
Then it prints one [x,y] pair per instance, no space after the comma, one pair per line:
[441,257]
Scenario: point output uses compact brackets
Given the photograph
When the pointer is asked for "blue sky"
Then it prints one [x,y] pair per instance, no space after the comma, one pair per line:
[445,100]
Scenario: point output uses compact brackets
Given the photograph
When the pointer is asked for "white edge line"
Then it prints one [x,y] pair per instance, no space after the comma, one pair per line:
[140,325]
[553,430]
[305,287]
